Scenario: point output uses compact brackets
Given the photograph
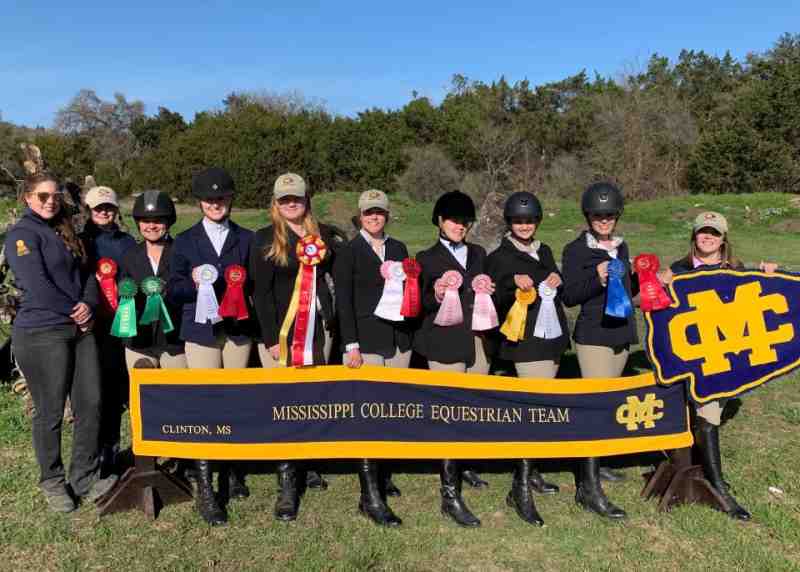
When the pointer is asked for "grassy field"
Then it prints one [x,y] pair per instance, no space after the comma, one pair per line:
[761,449]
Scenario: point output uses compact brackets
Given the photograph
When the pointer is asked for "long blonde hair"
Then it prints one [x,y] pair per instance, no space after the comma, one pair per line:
[278,250]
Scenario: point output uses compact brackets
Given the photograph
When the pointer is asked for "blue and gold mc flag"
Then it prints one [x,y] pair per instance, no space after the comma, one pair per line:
[726,332]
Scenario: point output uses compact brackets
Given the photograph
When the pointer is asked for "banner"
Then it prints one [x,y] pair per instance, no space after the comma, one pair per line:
[726,332]
[334,412]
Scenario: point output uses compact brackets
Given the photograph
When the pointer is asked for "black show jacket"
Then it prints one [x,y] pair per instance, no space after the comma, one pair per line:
[448,344]
[582,287]
[502,265]
[359,286]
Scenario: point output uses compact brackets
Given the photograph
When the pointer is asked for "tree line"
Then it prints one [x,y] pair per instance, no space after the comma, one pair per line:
[700,124]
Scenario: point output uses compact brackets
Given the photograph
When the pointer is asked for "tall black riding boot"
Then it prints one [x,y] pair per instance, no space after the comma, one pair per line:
[389,487]
[452,503]
[473,479]
[237,488]
[707,437]
[371,503]
[539,485]
[315,480]
[589,493]
[520,496]
[287,502]
[205,500]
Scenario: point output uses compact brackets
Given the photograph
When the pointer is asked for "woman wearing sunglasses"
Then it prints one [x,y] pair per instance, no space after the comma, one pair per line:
[54,344]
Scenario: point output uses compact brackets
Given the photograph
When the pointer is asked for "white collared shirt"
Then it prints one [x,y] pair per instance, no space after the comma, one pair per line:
[458,250]
[592,242]
[217,233]
[381,252]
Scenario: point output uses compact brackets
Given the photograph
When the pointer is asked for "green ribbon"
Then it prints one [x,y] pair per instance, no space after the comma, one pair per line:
[124,325]
[154,309]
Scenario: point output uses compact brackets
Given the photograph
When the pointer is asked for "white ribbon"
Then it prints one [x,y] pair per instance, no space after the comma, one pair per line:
[391,300]
[547,325]
[207,307]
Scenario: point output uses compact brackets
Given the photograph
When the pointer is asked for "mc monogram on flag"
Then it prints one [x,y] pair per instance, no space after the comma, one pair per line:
[726,331]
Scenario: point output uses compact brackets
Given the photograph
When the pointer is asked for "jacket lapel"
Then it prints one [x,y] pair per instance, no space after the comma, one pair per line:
[204,246]
[232,240]
[366,247]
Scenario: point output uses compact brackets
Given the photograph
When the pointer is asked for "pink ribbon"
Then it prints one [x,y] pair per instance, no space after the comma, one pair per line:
[484,314]
[450,313]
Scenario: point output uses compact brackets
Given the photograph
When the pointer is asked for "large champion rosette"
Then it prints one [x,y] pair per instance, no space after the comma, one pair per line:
[391,302]
[233,304]
[154,308]
[618,303]
[450,312]
[484,314]
[124,324]
[651,293]
[207,307]
[514,326]
[547,325]
[412,301]
[107,279]
[302,312]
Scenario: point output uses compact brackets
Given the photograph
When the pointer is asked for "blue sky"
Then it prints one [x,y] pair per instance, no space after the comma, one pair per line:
[188,56]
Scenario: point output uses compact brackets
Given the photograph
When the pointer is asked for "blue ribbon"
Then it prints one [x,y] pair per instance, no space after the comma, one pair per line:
[618,304]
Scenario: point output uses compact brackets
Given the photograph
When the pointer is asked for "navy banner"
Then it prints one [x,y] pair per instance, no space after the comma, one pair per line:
[374,412]
[726,332]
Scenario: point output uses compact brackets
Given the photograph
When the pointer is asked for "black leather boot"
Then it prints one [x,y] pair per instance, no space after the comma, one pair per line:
[707,438]
[237,488]
[371,503]
[606,474]
[287,502]
[589,493]
[473,479]
[389,487]
[314,480]
[452,503]
[520,497]
[205,500]
[539,485]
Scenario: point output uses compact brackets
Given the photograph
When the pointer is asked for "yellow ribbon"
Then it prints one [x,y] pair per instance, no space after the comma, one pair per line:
[514,326]
[289,319]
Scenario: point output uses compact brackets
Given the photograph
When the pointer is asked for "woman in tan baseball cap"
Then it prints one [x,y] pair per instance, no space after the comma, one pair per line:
[711,249]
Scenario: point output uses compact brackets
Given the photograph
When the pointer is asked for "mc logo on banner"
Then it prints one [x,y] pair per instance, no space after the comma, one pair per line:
[726,331]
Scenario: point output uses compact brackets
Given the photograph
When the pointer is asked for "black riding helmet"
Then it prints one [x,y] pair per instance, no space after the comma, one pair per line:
[212,183]
[522,205]
[154,204]
[454,205]
[602,198]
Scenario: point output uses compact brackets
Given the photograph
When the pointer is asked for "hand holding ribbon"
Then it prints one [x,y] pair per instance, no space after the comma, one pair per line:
[651,293]
[547,326]
[207,307]
[412,302]
[107,278]
[124,324]
[233,304]
[390,305]
[450,312]
[154,308]
[484,314]
[514,326]
[618,303]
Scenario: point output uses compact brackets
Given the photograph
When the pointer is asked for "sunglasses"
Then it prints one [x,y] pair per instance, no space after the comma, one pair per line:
[43,197]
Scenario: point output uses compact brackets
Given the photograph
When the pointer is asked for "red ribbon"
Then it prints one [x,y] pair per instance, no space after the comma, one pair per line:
[311,250]
[106,277]
[233,304]
[651,293]
[412,303]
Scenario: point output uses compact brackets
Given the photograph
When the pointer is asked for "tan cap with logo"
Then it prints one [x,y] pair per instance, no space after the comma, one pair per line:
[710,219]
[289,185]
[101,196]
[373,199]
